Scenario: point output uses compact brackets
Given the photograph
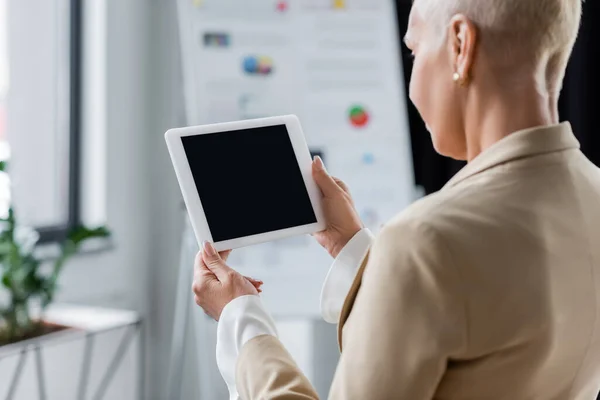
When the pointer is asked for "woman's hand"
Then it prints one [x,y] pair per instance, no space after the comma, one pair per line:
[216,284]
[342,219]
[257,284]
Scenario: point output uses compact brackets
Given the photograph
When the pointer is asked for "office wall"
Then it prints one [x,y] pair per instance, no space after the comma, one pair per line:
[168,213]
[118,276]
[121,90]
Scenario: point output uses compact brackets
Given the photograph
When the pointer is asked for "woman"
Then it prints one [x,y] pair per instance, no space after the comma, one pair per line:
[487,289]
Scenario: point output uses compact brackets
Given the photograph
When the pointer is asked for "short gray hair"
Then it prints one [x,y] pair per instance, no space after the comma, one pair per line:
[544,31]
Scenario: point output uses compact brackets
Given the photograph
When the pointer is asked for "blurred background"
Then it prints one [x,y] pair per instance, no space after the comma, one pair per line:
[87,90]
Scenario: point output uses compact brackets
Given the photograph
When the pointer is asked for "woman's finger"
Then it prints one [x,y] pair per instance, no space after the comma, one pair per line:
[257,283]
[341,184]
[200,267]
[224,254]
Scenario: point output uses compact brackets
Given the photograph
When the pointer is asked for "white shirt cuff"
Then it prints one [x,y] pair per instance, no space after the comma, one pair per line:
[342,273]
[242,319]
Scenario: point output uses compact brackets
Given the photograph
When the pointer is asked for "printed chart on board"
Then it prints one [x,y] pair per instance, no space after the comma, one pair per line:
[335,64]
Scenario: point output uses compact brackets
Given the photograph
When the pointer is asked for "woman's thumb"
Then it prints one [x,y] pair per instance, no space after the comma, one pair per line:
[325,182]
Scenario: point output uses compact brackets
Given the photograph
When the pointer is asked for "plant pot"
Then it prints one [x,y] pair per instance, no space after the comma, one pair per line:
[40,329]
[88,353]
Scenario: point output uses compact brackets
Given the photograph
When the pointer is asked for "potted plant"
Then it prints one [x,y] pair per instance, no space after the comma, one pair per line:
[28,282]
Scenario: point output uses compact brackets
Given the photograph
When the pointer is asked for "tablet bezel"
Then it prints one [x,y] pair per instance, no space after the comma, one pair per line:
[192,199]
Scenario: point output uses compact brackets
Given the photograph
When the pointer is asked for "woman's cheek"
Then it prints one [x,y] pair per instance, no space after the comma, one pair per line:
[417,90]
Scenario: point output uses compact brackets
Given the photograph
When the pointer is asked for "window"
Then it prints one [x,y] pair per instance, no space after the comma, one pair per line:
[3,78]
[40,98]
[4,183]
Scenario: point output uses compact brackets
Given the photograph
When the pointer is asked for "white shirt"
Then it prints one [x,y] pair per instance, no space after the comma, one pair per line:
[245,318]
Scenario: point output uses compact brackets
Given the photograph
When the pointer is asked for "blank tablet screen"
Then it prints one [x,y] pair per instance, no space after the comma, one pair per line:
[248,181]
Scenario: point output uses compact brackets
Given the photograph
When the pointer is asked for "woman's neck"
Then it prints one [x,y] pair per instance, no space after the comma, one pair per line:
[491,118]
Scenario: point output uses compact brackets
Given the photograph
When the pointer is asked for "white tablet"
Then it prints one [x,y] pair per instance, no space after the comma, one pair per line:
[246,182]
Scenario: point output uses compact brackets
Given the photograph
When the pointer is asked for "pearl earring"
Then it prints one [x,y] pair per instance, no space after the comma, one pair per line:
[458,79]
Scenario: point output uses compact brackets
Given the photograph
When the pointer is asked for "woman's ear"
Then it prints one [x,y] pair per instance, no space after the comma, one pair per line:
[462,39]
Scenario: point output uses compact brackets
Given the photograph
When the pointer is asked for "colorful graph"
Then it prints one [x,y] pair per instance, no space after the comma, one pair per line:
[339,4]
[258,65]
[216,39]
[359,117]
[282,6]
[368,158]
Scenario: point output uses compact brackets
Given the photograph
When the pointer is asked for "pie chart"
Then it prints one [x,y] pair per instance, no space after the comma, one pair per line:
[359,117]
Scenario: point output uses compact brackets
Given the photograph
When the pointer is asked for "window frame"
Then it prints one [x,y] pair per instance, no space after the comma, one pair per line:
[57,233]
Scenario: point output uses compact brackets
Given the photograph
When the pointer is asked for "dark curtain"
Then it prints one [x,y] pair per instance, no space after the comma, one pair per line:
[576,103]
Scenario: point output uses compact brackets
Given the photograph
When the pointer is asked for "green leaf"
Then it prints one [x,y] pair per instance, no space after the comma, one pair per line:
[70,246]
[32,283]
[14,256]
[4,247]
[3,166]
[47,297]
[6,281]
[11,223]
[82,233]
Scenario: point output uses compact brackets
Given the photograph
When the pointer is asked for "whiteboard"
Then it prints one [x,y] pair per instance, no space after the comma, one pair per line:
[335,64]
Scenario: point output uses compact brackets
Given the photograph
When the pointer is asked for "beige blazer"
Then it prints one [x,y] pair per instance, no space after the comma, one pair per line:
[488,289]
